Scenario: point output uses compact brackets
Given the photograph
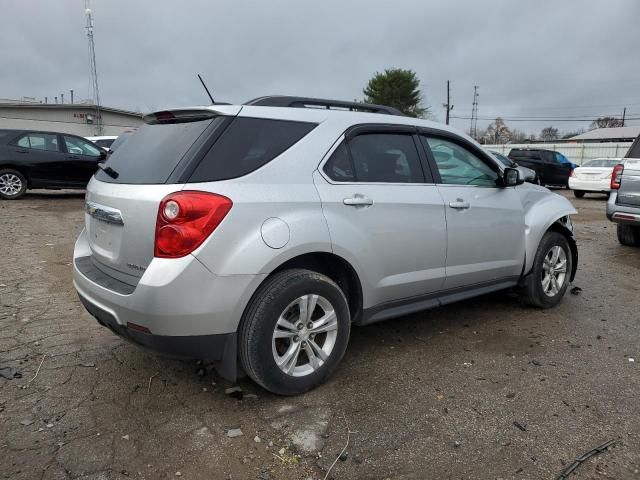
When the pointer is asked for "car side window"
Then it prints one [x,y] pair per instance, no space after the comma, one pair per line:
[39,141]
[457,165]
[339,166]
[77,146]
[386,158]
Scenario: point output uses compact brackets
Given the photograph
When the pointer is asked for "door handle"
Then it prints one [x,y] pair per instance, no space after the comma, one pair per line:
[459,204]
[358,201]
[22,151]
[73,157]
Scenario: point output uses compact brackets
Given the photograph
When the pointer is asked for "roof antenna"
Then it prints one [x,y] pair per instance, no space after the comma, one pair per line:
[213,102]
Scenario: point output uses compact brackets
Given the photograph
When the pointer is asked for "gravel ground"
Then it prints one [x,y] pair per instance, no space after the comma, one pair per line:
[433,395]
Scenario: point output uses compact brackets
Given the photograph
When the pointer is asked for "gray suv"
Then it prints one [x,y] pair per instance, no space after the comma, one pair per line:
[623,206]
[254,236]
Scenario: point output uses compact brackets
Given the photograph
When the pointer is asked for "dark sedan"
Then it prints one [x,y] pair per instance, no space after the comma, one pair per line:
[33,159]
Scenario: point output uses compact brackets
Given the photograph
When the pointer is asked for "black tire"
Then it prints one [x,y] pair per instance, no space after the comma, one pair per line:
[532,292]
[9,175]
[259,322]
[579,193]
[628,234]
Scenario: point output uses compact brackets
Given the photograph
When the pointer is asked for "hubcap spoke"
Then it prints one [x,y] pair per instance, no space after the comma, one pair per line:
[289,360]
[327,323]
[318,351]
[313,359]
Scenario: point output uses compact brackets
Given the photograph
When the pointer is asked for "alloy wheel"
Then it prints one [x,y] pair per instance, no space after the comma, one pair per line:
[554,271]
[10,184]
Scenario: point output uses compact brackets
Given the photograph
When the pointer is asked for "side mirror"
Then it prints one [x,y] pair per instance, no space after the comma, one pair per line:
[103,155]
[511,177]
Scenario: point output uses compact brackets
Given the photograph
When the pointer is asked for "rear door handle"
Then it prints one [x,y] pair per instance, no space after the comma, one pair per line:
[459,204]
[73,157]
[358,201]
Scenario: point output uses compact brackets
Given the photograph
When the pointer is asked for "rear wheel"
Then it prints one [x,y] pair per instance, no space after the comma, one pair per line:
[12,184]
[629,234]
[294,332]
[549,278]
[579,193]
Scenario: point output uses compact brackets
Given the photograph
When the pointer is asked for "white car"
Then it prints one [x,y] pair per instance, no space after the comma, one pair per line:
[593,176]
[104,141]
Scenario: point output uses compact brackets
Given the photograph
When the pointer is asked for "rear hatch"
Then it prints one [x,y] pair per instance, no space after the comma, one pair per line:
[592,173]
[123,198]
[629,191]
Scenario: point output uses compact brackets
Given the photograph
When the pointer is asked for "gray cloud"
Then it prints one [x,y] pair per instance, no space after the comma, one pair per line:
[543,58]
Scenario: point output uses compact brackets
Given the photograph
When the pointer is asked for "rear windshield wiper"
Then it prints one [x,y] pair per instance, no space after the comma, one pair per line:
[108,170]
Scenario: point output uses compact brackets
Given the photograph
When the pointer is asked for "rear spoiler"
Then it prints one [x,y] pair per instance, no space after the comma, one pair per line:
[185,115]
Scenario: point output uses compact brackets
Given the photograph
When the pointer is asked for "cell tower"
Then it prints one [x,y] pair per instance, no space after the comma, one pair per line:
[93,70]
[473,131]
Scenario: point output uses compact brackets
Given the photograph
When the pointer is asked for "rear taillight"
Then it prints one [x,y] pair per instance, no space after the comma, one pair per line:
[572,173]
[186,219]
[616,176]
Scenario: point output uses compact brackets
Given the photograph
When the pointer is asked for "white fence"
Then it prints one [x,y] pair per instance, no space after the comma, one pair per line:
[576,152]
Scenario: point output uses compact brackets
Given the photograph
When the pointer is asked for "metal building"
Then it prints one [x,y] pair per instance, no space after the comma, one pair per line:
[75,118]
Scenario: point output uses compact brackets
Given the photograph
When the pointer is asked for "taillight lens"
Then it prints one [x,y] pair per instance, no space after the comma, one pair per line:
[616,176]
[572,173]
[186,219]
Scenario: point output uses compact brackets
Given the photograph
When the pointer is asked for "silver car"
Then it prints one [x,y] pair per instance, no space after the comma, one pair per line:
[623,206]
[253,236]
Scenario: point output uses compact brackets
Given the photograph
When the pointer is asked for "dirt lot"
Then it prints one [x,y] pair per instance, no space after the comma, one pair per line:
[431,396]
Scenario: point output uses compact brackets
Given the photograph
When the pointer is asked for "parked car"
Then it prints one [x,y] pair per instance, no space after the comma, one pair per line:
[32,159]
[103,141]
[623,206]
[526,173]
[552,168]
[593,176]
[255,235]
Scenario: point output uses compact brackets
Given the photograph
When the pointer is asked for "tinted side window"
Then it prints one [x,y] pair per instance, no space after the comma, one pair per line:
[386,158]
[339,167]
[248,144]
[39,141]
[457,165]
[77,146]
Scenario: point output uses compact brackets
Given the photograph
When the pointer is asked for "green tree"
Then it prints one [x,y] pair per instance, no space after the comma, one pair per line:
[397,88]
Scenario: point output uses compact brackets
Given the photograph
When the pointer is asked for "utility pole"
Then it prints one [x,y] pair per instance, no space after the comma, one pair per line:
[448,105]
[93,70]
[473,130]
[71,95]
[624,114]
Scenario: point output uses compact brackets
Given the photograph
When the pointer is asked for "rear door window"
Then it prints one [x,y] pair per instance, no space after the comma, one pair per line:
[246,145]
[39,141]
[78,146]
[151,154]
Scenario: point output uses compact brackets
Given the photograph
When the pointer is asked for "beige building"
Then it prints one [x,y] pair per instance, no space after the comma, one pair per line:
[75,118]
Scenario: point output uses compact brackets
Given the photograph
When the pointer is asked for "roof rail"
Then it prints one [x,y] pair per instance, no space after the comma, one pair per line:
[306,102]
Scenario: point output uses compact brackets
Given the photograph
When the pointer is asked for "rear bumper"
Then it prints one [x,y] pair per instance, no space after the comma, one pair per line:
[207,347]
[589,185]
[622,213]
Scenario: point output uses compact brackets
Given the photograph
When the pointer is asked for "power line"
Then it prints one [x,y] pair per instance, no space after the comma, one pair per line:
[537,119]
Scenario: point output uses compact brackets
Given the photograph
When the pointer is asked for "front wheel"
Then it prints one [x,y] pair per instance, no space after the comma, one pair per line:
[578,193]
[12,184]
[548,280]
[294,332]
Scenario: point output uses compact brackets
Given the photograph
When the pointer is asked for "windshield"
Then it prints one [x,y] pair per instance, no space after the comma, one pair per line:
[602,162]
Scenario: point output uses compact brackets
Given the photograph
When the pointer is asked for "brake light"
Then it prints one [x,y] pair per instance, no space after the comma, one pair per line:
[616,176]
[186,219]
[571,173]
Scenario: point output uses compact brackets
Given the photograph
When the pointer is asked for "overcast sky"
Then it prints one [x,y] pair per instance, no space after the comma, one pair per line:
[538,58]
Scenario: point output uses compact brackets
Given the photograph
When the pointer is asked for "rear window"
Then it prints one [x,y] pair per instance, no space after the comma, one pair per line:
[525,154]
[151,153]
[634,151]
[246,145]
[104,143]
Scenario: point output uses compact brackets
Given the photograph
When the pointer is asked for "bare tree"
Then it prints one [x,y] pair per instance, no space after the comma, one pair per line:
[498,131]
[572,134]
[518,136]
[548,134]
[606,122]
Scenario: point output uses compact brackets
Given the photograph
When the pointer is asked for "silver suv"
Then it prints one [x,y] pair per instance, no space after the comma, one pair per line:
[623,206]
[254,236]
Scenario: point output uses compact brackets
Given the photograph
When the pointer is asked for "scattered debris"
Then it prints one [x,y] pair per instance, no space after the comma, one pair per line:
[520,426]
[178,474]
[26,423]
[349,432]
[257,439]
[456,444]
[576,291]
[234,432]
[343,457]
[150,380]
[250,395]
[536,363]
[201,372]
[235,392]
[88,364]
[125,437]
[511,395]
[10,373]
[37,371]
[49,425]
[569,470]
[631,359]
